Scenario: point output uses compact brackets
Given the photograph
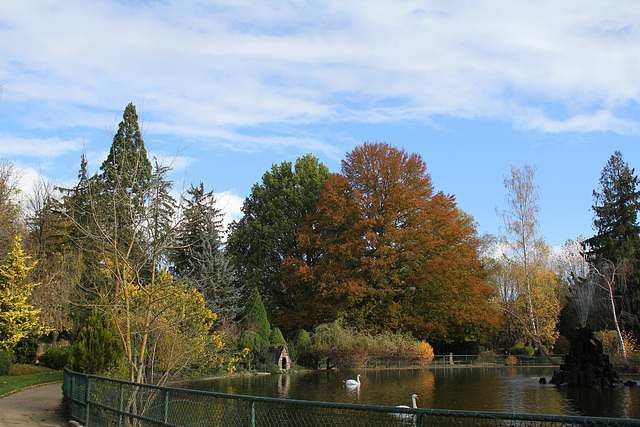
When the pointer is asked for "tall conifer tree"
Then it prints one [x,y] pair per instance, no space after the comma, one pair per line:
[617,238]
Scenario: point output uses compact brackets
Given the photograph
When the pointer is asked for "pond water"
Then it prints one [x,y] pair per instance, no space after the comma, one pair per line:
[495,389]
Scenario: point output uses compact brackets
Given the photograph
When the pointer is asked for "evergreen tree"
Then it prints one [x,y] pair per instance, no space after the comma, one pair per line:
[617,238]
[199,257]
[119,192]
[266,233]
[18,319]
[276,338]
[257,331]
[159,208]
[127,167]
[255,316]
[97,348]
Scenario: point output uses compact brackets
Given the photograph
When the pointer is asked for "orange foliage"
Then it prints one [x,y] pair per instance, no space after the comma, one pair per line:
[383,252]
[425,353]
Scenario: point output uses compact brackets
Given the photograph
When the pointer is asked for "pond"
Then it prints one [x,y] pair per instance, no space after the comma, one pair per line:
[494,389]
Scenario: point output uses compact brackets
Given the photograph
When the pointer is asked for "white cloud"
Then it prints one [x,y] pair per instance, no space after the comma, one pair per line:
[37,147]
[601,120]
[207,68]
[231,206]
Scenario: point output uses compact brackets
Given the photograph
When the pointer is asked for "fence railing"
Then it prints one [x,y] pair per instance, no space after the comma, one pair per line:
[99,401]
[469,360]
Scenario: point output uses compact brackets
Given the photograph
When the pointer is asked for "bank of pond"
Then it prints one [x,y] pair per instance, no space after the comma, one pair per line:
[493,389]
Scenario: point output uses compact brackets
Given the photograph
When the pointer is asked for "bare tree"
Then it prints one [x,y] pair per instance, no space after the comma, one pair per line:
[573,267]
[608,276]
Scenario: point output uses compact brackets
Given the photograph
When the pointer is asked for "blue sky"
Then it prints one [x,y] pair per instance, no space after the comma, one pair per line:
[228,88]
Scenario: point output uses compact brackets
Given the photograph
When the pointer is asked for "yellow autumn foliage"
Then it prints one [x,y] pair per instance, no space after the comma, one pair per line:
[176,323]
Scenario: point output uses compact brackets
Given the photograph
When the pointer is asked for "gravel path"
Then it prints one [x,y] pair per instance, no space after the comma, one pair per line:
[37,406]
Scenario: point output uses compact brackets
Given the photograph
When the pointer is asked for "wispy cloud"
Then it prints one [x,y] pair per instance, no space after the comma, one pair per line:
[214,68]
[37,147]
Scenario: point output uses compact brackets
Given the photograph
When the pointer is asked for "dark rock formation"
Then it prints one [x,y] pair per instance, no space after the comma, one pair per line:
[586,365]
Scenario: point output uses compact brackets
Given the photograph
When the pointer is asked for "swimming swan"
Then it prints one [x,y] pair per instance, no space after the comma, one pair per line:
[407,417]
[353,383]
[414,397]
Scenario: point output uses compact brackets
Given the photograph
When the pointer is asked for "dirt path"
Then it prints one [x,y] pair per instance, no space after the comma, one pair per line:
[37,406]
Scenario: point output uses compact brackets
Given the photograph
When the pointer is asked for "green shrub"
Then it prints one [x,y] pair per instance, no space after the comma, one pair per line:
[346,347]
[26,350]
[255,316]
[521,349]
[97,348]
[276,337]
[5,362]
[56,357]
[303,340]
[517,349]
[258,354]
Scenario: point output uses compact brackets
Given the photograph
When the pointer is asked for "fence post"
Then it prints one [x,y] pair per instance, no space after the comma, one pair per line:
[121,405]
[166,406]
[72,398]
[252,414]
[86,400]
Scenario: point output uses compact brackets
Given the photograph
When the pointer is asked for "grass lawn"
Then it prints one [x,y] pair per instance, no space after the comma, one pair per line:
[23,376]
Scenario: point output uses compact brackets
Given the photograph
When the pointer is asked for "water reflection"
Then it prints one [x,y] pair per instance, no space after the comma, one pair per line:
[284,385]
[477,389]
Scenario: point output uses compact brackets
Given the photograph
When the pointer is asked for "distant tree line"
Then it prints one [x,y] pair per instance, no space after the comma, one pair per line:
[373,254]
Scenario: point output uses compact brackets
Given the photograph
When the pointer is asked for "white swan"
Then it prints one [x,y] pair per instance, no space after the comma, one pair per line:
[353,383]
[407,417]
[414,397]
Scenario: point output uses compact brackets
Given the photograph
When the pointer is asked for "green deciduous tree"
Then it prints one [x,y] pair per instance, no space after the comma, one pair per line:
[18,319]
[266,233]
[384,252]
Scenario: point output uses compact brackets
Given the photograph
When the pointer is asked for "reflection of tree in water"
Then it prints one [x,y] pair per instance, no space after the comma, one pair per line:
[426,389]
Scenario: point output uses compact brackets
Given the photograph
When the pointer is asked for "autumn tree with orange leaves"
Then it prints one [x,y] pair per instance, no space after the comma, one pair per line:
[384,252]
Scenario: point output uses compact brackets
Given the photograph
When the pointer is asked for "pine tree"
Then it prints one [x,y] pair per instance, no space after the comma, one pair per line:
[124,179]
[617,239]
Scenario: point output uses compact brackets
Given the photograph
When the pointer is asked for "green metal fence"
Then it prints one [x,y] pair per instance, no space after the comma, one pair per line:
[99,401]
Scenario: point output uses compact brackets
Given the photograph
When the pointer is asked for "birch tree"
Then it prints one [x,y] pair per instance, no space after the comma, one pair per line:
[608,276]
[528,258]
